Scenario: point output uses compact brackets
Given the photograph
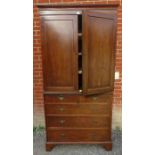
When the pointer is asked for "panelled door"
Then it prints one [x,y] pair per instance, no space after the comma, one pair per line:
[98,51]
[59,46]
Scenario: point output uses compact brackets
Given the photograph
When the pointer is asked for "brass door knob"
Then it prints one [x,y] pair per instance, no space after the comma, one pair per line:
[80,91]
[80,71]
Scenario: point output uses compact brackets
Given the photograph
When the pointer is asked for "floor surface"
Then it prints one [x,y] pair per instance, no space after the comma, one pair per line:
[39,147]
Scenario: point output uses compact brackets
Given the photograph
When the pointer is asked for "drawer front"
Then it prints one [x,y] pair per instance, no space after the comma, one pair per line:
[104,99]
[78,109]
[77,135]
[80,121]
[50,99]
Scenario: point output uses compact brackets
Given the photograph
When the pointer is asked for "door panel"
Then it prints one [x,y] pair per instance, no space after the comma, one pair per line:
[98,52]
[59,37]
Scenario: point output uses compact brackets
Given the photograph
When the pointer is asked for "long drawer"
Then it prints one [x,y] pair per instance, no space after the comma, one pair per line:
[104,99]
[78,135]
[78,109]
[80,121]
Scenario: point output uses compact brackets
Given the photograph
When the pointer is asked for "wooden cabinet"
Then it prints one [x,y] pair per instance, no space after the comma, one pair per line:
[78,47]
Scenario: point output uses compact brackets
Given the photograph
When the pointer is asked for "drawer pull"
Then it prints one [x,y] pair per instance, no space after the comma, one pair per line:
[62,121]
[61,98]
[95,98]
[61,109]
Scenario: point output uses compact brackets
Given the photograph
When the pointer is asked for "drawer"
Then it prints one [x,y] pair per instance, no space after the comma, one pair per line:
[78,109]
[61,99]
[78,135]
[80,121]
[105,99]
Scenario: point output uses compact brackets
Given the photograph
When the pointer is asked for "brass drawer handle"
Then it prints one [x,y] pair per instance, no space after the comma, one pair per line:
[61,109]
[95,98]
[61,98]
[62,121]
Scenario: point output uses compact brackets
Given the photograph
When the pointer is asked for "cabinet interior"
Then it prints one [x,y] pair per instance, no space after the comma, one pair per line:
[80,53]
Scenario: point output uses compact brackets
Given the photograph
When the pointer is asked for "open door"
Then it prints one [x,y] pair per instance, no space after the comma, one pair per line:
[99,28]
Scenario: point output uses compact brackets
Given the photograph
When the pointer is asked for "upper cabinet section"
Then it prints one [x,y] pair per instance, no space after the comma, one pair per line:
[59,46]
[98,51]
[78,47]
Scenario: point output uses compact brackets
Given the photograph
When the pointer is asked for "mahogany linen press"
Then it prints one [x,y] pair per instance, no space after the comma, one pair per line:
[78,52]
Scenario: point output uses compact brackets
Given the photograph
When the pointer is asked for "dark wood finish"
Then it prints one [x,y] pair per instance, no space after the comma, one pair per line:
[78,44]
[77,135]
[78,109]
[103,99]
[59,43]
[73,99]
[98,51]
[78,121]
[107,146]
[49,147]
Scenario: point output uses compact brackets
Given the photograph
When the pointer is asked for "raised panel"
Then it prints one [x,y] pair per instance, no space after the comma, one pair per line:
[59,37]
[99,46]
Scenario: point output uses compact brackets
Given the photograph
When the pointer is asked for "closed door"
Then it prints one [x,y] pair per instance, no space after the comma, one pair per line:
[98,51]
[59,48]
